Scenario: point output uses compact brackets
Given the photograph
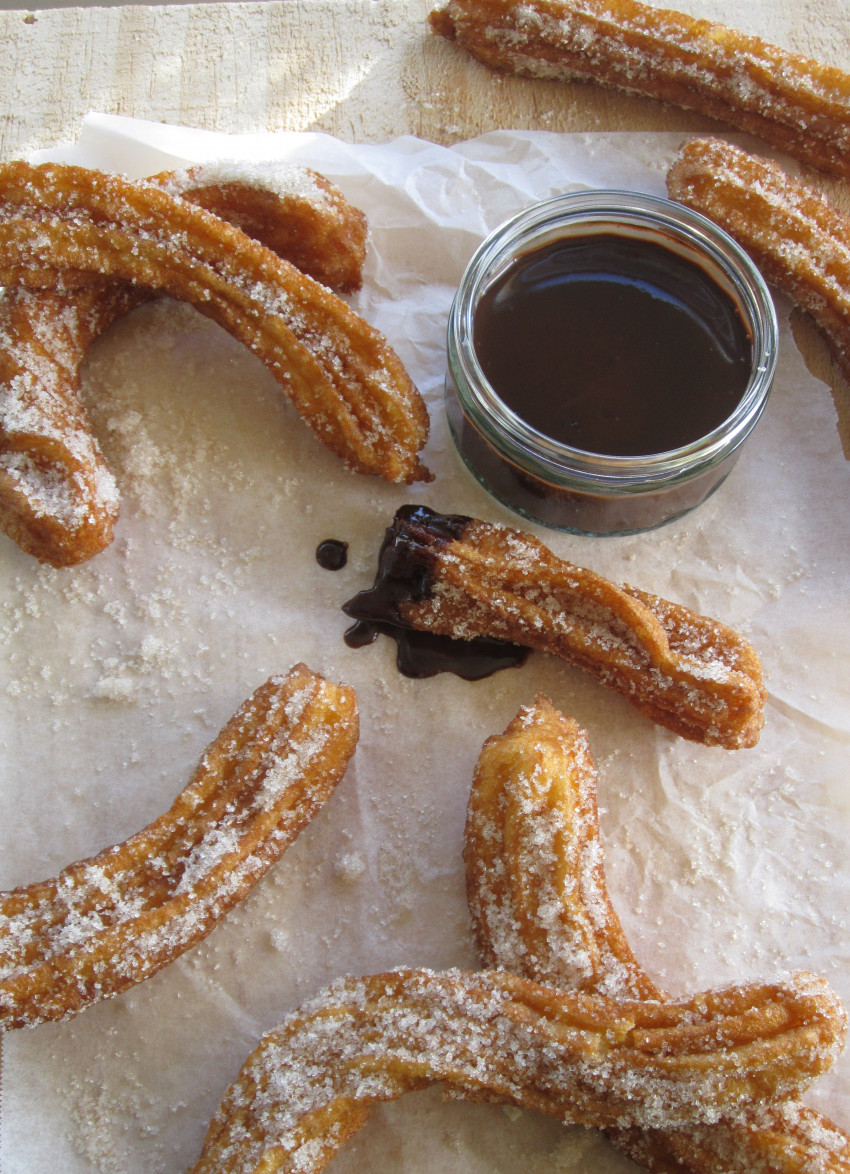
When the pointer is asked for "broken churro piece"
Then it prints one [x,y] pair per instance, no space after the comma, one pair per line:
[460,577]
[795,236]
[106,923]
[313,1081]
[793,103]
[540,908]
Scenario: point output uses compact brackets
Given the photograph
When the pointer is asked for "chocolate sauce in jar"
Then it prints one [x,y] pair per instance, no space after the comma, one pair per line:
[405,573]
[613,344]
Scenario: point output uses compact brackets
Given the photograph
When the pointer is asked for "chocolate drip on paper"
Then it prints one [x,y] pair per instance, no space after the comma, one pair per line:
[406,566]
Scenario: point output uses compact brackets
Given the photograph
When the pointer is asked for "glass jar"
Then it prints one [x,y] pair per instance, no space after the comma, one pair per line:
[544,478]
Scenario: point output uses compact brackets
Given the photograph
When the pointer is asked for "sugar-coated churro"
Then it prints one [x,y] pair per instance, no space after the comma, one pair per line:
[58,498]
[540,908]
[292,210]
[111,921]
[313,1081]
[68,227]
[790,101]
[798,239]
[465,578]
[534,862]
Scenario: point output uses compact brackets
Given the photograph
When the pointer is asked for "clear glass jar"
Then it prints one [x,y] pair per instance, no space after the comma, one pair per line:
[548,481]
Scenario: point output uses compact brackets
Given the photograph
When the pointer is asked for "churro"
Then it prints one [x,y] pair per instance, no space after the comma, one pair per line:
[796,104]
[313,1081]
[58,498]
[796,237]
[72,224]
[534,862]
[292,210]
[540,908]
[111,921]
[464,578]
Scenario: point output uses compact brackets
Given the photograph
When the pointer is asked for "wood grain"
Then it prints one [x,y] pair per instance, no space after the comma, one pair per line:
[362,70]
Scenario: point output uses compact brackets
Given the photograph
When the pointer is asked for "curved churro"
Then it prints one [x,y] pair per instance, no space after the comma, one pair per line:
[794,103]
[540,907]
[339,372]
[534,864]
[58,498]
[465,578]
[313,1081]
[292,210]
[109,922]
[796,237]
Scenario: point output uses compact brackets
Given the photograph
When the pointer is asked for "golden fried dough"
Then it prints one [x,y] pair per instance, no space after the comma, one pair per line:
[534,866]
[795,236]
[342,376]
[312,1082]
[294,211]
[58,499]
[109,922]
[464,578]
[794,103]
[540,908]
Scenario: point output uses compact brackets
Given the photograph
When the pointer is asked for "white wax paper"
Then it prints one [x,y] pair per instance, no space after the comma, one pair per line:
[116,674]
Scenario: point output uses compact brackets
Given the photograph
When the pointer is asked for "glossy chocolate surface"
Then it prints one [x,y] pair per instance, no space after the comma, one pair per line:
[613,344]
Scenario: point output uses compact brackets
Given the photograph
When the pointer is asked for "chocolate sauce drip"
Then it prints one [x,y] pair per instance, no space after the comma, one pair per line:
[406,566]
[332,555]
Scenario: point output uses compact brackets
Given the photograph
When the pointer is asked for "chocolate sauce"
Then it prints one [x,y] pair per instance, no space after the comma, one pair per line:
[332,555]
[405,574]
[612,344]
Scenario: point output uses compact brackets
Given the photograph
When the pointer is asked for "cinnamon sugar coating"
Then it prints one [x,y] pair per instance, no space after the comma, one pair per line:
[58,499]
[790,101]
[687,672]
[111,921]
[535,874]
[312,1082]
[540,908]
[65,228]
[799,240]
[294,211]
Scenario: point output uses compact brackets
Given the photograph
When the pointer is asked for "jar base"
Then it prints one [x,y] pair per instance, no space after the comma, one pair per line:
[572,511]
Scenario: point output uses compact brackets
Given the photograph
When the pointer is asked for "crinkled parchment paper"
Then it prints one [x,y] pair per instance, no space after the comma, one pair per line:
[116,674]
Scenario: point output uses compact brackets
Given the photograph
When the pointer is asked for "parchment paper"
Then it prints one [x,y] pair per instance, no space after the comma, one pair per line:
[115,676]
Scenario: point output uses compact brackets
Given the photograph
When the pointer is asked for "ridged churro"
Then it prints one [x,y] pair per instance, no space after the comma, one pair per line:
[464,578]
[798,239]
[534,862]
[69,225]
[111,921]
[792,102]
[292,210]
[540,908]
[313,1081]
[58,498]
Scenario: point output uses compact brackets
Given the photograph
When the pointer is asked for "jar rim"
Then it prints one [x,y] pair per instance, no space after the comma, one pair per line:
[595,212]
